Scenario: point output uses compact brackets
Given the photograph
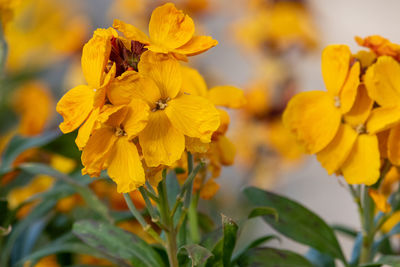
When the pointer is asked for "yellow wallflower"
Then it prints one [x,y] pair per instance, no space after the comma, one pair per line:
[173,115]
[170,31]
[81,105]
[334,124]
[381,201]
[380,46]
[110,146]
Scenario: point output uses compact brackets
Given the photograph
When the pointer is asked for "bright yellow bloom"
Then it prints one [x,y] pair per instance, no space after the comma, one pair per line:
[173,115]
[34,103]
[111,146]
[170,31]
[334,124]
[7,9]
[81,105]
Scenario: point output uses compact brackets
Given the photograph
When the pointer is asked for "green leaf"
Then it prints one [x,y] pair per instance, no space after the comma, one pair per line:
[343,229]
[264,211]
[117,243]
[19,144]
[224,248]
[297,222]
[255,243]
[90,198]
[197,254]
[389,260]
[272,257]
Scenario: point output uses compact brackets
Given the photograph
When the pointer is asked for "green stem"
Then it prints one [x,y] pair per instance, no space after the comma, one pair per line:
[193,219]
[367,227]
[146,227]
[167,220]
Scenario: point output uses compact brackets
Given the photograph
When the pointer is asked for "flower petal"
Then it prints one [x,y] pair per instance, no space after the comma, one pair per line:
[227,150]
[362,165]
[94,155]
[383,118]
[193,83]
[95,56]
[125,167]
[194,116]
[170,27]
[314,119]
[349,91]
[209,189]
[383,81]
[196,45]
[380,200]
[75,107]
[131,32]
[361,109]
[393,145]
[227,96]
[165,72]
[333,155]
[335,67]
[194,145]
[86,129]
[137,117]
[161,143]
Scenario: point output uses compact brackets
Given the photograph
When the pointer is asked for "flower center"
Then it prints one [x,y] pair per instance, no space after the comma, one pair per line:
[119,132]
[360,129]
[161,104]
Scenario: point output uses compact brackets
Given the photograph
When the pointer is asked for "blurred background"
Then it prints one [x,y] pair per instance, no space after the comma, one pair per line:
[269,48]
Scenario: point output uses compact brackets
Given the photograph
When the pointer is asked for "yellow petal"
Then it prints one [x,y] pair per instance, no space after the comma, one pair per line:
[383,81]
[362,165]
[131,32]
[227,150]
[86,129]
[391,222]
[335,66]
[112,115]
[224,122]
[161,143]
[380,200]
[95,56]
[349,91]
[196,45]
[227,96]
[393,145]
[366,58]
[136,118]
[193,83]
[361,109]
[194,116]
[383,143]
[133,85]
[164,70]
[100,93]
[333,156]
[169,27]
[314,119]
[75,107]
[95,153]
[383,118]
[125,167]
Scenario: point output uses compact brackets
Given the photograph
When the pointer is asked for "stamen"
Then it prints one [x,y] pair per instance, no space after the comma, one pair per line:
[119,132]
[337,101]
[161,104]
[360,129]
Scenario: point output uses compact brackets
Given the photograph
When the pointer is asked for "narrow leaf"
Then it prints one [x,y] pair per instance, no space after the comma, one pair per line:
[197,254]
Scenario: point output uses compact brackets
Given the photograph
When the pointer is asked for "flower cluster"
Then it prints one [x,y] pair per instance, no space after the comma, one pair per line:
[136,112]
[353,127]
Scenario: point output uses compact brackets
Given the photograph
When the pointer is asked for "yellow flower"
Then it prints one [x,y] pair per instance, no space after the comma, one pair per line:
[111,145]
[7,9]
[173,115]
[81,105]
[170,31]
[383,86]
[34,103]
[315,116]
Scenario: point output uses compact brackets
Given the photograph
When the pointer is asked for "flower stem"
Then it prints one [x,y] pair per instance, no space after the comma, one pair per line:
[167,220]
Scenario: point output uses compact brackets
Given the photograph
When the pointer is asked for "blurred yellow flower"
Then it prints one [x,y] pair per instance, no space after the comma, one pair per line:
[380,200]
[170,31]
